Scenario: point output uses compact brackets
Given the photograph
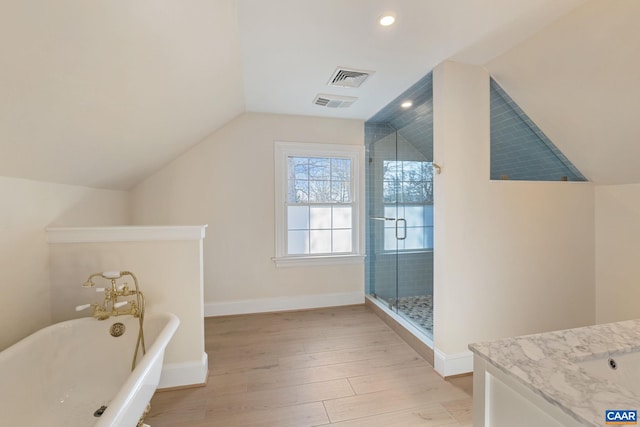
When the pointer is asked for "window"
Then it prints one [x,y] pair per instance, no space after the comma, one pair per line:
[408,196]
[317,203]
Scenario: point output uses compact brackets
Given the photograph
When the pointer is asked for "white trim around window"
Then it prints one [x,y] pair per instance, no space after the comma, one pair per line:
[283,152]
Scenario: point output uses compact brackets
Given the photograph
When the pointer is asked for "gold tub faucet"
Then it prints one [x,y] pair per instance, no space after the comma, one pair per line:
[133,298]
[111,306]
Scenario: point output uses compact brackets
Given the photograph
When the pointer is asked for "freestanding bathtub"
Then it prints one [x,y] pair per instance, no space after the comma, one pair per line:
[61,375]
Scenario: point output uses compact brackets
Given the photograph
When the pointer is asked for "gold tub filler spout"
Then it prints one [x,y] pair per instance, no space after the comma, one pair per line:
[119,300]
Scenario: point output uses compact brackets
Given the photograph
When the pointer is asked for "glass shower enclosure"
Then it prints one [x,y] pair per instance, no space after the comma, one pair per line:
[399,196]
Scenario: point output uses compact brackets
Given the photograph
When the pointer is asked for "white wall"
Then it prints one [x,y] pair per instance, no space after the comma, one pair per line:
[28,207]
[511,257]
[227,182]
[617,252]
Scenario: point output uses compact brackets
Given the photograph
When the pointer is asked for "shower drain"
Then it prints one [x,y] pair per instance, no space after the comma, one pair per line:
[117,329]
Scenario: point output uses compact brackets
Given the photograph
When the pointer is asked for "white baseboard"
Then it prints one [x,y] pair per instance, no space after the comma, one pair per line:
[184,373]
[265,305]
[453,364]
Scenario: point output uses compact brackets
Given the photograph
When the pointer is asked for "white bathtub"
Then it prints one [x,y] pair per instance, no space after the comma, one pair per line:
[60,375]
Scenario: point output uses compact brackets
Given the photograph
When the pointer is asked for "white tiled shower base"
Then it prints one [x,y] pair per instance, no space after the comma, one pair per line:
[419,310]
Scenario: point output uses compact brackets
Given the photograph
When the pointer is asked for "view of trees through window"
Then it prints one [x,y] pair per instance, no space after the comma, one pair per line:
[407,181]
[408,195]
[319,205]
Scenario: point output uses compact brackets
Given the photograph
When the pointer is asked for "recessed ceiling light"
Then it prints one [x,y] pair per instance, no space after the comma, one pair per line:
[406,104]
[387,20]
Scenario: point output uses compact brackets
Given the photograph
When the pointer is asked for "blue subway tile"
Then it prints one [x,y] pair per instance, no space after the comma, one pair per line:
[519,149]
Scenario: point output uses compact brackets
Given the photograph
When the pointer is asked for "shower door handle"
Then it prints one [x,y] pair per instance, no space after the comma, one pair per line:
[404,228]
[379,218]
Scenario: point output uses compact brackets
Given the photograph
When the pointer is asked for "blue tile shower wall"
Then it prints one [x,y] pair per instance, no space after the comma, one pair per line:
[414,124]
[519,149]
[412,129]
[415,274]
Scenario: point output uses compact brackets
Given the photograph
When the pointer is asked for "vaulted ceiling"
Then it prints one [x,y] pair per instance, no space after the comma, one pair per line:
[102,93]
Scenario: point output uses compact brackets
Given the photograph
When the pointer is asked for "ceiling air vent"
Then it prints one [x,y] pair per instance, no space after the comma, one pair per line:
[334,101]
[344,77]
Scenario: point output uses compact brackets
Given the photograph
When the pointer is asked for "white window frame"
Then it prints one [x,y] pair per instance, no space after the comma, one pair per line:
[284,150]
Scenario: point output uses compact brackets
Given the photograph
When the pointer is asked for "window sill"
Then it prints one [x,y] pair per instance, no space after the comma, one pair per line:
[308,261]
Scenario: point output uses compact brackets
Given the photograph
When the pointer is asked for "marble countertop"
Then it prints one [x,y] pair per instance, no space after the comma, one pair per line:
[546,364]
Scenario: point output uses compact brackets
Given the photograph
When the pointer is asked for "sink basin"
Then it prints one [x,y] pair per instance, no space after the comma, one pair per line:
[621,369]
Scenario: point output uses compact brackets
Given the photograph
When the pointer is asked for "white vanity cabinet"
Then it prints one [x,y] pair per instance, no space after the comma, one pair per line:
[500,401]
[556,379]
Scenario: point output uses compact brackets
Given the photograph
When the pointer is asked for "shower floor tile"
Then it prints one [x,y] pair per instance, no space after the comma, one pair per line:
[419,309]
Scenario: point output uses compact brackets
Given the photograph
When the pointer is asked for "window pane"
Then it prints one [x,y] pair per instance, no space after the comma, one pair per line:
[407,189]
[340,192]
[415,192]
[415,238]
[298,167]
[319,191]
[407,181]
[341,169]
[298,217]
[428,191]
[390,190]
[320,217]
[419,231]
[298,191]
[342,217]
[298,242]
[342,241]
[319,168]
[320,241]
[390,239]
[412,171]
[414,215]
[427,171]
[390,170]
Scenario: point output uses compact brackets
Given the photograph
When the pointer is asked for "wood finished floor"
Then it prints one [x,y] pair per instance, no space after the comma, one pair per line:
[339,366]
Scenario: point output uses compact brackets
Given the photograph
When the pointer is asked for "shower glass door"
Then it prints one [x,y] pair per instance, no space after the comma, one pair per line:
[413,206]
[399,263]
[382,259]
[400,228]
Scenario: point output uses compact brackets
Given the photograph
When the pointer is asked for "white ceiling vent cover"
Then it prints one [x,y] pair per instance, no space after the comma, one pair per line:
[344,77]
[334,101]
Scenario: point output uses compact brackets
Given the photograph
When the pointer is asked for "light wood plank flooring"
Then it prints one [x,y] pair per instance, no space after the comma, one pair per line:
[338,366]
